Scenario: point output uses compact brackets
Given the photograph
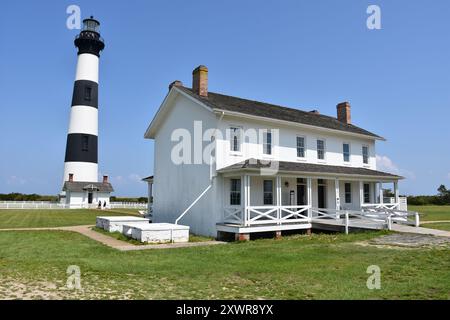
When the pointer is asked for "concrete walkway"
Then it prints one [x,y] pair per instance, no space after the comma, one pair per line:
[419,230]
[115,243]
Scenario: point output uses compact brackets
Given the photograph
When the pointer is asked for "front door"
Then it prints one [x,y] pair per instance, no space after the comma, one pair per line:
[90,197]
[301,195]
[321,196]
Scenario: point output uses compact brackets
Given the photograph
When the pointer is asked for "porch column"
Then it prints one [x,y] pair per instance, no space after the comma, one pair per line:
[244,185]
[309,196]
[338,201]
[278,197]
[381,192]
[361,193]
[397,197]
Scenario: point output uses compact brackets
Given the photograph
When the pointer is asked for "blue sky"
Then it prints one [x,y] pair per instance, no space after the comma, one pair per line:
[305,54]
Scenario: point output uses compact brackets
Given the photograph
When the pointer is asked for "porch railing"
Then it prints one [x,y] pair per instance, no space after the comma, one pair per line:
[259,215]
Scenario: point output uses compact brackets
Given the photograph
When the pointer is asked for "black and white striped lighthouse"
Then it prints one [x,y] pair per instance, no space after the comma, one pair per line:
[81,160]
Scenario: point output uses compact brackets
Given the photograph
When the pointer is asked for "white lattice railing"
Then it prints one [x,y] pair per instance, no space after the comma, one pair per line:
[259,215]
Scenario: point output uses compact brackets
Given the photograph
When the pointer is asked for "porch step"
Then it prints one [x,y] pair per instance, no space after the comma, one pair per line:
[235,228]
[339,224]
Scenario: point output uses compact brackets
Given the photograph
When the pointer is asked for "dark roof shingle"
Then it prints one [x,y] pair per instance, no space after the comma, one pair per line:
[81,186]
[267,110]
[285,166]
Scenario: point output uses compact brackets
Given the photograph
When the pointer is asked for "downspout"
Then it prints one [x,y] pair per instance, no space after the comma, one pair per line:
[210,177]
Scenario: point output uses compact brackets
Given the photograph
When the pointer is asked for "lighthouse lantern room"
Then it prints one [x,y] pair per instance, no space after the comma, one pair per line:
[81,187]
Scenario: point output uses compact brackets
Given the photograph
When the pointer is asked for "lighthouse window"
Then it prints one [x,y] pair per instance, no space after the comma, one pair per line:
[85,143]
[87,93]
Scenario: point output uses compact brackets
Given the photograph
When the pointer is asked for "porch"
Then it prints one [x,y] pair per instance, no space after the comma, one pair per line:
[256,203]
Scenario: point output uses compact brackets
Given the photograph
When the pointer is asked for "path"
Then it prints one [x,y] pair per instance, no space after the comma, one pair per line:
[419,230]
[87,231]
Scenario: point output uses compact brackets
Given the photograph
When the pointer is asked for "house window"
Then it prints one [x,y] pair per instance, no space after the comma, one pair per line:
[300,147]
[346,152]
[85,143]
[366,193]
[267,142]
[235,139]
[87,93]
[320,149]
[365,154]
[348,192]
[268,192]
[301,180]
[235,192]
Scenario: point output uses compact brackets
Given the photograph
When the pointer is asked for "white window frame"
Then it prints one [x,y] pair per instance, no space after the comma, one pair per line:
[368,155]
[304,147]
[235,192]
[350,193]
[272,192]
[324,150]
[349,153]
[231,140]
[264,139]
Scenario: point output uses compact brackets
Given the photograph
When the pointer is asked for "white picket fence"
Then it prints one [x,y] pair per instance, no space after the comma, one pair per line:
[55,205]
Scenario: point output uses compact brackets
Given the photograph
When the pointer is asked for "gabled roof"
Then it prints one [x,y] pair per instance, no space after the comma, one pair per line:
[81,186]
[266,110]
[308,168]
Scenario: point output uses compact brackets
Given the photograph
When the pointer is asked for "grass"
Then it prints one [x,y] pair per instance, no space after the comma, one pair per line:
[432,213]
[296,267]
[53,218]
[438,225]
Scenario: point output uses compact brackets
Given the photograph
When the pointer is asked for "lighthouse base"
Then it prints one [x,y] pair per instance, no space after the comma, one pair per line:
[80,194]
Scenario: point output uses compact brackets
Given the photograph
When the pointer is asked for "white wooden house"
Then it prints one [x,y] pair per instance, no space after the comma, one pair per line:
[248,166]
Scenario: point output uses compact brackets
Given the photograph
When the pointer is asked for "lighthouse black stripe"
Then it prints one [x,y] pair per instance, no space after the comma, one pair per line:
[85,93]
[81,147]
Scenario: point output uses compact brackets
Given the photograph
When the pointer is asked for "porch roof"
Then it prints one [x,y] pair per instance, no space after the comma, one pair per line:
[308,168]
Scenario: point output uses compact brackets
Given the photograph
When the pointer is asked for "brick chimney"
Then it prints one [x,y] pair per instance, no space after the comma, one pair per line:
[70,177]
[176,83]
[200,81]
[105,179]
[343,112]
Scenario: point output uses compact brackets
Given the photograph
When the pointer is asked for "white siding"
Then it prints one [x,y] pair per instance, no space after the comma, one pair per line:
[286,148]
[177,186]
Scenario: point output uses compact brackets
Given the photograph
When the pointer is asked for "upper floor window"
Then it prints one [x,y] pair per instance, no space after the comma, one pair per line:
[348,192]
[365,154]
[300,147]
[267,142]
[235,192]
[346,152]
[321,149]
[268,192]
[235,139]
[85,143]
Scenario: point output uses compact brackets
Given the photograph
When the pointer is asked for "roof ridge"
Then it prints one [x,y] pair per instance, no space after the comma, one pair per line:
[308,116]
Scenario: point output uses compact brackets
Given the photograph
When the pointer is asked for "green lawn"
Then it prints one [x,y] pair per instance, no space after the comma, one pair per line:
[33,264]
[438,225]
[432,213]
[53,218]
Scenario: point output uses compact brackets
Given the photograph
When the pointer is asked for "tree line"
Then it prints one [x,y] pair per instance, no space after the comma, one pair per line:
[442,198]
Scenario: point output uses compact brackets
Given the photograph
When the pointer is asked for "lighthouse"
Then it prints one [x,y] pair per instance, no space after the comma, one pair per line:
[81,187]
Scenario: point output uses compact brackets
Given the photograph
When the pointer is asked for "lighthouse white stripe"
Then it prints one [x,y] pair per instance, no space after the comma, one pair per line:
[83,119]
[82,171]
[87,67]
